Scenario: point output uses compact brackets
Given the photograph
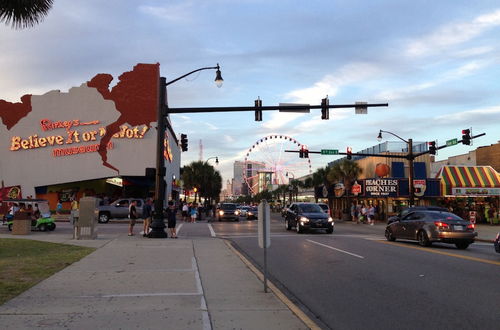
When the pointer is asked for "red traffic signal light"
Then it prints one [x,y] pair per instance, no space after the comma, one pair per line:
[349,153]
[432,147]
[303,152]
[466,136]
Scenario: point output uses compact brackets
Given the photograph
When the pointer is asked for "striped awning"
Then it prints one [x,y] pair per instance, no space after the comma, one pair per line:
[473,177]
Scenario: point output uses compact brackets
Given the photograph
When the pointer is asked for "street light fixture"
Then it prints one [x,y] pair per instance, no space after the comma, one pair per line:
[216,160]
[410,157]
[158,225]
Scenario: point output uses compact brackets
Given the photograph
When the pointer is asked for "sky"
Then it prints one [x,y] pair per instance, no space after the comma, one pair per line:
[436,63]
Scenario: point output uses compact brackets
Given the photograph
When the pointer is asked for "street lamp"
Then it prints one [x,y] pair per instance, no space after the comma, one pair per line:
[410,157]
[216,160]
[290,187]
[158,225]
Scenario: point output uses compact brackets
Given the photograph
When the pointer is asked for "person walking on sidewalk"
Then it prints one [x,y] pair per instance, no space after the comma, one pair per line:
[185,210]
[371,215]
[193,212]
[147,212]
[132,215]
[172,222]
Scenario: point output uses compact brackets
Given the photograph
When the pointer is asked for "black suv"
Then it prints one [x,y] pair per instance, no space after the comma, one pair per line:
[228,211]
[310,216]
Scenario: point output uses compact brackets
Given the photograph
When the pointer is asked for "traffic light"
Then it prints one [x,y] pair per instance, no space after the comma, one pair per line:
[258,111]
[303,152]
[466,136]
[349,153]
[325,111]
[184,142]
[432,147]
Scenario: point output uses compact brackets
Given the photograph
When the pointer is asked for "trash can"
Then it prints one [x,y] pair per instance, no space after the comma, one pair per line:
[85,222]
[21,223]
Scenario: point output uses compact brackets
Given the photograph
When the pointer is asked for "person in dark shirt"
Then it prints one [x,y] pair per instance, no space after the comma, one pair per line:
[171,219]
[147,212]
[132,215]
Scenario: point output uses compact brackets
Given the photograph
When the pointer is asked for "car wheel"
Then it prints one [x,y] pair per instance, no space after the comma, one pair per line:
[389,236]
[52,226]
[43,227]
[462,245]
[103,218]
[299,228]
[10,227]
[423,240]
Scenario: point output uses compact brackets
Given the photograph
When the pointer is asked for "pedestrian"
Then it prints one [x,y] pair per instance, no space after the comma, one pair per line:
[172,222]
[132,215]
[353,212]
[371,215]
[193,213]
[59,207]
[147,212]
[185,210]
[74,211]
[362,213]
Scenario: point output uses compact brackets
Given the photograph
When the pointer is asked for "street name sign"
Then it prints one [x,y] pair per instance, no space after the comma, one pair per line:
[329,152]
[451,142]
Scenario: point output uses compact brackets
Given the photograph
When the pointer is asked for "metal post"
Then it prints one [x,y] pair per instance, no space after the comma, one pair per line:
[410,173]
[158,225]
[264,227]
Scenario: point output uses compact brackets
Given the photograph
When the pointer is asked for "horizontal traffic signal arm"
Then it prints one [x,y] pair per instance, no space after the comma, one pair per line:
[269,107]
[445,146]
[353,154]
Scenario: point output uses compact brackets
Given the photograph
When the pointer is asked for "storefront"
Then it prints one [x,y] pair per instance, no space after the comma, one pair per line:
[93,139]
[470,188]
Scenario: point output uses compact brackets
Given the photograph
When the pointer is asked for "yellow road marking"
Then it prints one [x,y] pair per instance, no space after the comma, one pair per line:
[281,296]
[486,261]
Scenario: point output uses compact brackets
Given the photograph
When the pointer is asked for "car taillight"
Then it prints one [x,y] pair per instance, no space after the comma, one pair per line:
[441,225]
[471,226]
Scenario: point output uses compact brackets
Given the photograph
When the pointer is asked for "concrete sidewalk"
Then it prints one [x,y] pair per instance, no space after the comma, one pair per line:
[137,283]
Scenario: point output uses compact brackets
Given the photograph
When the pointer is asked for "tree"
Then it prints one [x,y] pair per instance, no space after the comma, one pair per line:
[345,171]
[24,13]
[320,178]
[204,177]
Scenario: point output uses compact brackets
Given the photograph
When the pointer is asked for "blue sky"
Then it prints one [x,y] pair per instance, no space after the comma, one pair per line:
[437,64]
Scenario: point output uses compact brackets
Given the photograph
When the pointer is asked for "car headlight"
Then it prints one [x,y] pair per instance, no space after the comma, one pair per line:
[250,213]
[237,212]
[330,219]
[303,219]
[221,212]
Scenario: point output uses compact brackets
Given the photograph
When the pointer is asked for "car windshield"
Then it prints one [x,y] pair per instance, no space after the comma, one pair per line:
[310,208]
[444,216]
[228,206]
[324,207]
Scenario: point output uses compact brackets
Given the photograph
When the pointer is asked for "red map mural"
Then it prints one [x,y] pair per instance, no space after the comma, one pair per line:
[135,97]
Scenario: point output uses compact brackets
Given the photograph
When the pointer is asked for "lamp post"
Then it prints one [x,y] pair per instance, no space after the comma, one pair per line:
[216,160]
[410,157]
[158,225]
[290,187]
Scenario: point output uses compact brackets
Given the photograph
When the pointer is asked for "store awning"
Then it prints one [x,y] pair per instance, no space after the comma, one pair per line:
[469,181]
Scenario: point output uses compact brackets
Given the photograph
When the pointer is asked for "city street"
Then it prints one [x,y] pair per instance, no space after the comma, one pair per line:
[354,278]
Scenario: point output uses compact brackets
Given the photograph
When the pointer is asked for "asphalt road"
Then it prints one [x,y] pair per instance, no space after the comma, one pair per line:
[355,279]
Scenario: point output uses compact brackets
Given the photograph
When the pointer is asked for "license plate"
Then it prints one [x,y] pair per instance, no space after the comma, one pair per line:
[458,227]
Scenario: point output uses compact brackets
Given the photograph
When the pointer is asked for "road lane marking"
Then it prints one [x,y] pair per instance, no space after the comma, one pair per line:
[281,296]
[178,229]
[212,232]
[443,253]
[339,250]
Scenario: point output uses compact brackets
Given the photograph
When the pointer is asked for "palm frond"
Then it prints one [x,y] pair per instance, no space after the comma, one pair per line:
[22,14]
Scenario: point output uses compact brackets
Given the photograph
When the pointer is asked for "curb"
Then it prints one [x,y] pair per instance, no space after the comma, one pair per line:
[280,295]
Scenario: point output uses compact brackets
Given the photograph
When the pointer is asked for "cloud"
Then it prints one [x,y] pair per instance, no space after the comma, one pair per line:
[211,126]
[175,13]
[331,84]
[280,119]
[484,116]
[453,34]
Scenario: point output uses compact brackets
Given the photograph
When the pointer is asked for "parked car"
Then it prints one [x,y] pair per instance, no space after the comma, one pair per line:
[118,209]
[325,208]
[427,226]
[228,211]
[407,210]
[41,220]
[496,243]
[308,216]
[252,213]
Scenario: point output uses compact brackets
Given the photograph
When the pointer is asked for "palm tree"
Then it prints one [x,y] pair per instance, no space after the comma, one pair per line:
[204,177]
[24,13]
[319,178]
[345,171]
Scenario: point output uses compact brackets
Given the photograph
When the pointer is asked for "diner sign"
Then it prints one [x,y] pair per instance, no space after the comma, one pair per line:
[381,187]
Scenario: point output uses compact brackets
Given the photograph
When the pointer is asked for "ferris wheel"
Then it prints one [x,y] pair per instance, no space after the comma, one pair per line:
[267,165]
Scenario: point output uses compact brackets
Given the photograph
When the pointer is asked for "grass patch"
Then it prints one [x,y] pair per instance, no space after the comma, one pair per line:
[24,263]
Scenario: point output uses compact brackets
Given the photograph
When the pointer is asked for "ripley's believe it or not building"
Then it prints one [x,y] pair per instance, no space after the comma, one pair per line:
[94,140]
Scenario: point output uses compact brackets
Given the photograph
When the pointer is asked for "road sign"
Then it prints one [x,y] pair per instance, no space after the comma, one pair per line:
[264,224]
[361,108]
[451,142]
[329,152]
